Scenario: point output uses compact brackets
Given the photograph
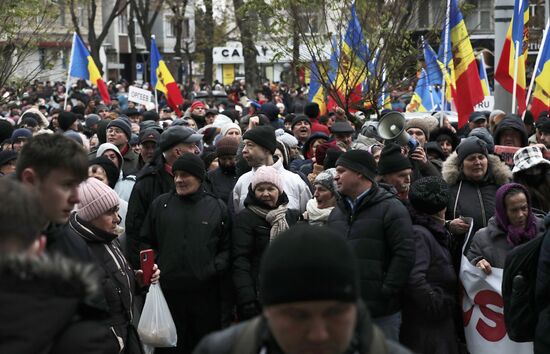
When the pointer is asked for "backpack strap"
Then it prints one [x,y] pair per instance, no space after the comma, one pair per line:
[247,340]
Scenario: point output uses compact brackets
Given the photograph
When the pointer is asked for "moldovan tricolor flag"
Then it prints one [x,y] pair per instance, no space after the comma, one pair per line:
[83,67]
[541,96]
[483,76]
[352,64]
[468,86]
[162,80]
[517,32]
[316,89]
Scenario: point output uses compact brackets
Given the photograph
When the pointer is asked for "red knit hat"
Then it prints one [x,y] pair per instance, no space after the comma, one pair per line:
[197,104]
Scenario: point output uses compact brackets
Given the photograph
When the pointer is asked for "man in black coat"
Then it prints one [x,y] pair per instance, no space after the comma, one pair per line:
[154,179]
[189,230]
[542,292]
[309,286]
[221,181]
[44,301]
[378,228]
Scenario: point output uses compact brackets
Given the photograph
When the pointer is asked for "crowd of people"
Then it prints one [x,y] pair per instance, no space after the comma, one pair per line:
[309,231]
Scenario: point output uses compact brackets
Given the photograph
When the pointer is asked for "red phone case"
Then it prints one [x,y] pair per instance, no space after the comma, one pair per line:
[147,261]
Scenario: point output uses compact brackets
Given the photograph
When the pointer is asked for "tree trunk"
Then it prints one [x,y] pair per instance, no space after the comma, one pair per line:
[133,49]
[209,31]
[245,22]
[295,50]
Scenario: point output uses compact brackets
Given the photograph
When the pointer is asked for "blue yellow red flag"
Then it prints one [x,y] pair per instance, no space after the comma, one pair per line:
[468,92]
[162,79]
[83,67]
[316,89]
[541,95]
[504,74]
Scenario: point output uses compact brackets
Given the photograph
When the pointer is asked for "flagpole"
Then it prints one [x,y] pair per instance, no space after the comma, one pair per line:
[544,34]
[516,60]
[445,53]
[69,72]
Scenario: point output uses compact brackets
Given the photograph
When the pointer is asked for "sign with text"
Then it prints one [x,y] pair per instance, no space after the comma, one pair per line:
[506,153]
[486,105]
[139,95]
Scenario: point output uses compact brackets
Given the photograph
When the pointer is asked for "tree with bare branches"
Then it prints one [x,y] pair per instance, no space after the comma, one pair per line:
[23,26]
[389,60]
[94,39]
[146,13]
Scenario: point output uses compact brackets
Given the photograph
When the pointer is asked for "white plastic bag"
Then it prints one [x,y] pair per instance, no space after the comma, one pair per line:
[156,326]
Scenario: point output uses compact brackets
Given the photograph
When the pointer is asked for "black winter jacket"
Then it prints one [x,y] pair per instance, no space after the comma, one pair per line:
[471,199]
[116,278]
[542,298]
[152,181]
[250,239]
[190,235]
[220,183]
[429,302]
[367,339]
[46,307]
[380,233]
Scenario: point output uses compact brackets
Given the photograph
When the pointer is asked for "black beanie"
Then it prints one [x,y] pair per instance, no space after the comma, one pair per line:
[264,136]
[300,118]
[359,161]
[151,115]
[101,131]
[312,110]
[429,195]
[6,129]
[110,168]
[392,160]
[471,145]
[308,263]
[122,125]
[333,153]
[66,119]
[191,164]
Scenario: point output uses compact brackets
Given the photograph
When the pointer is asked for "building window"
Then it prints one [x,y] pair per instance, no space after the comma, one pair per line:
[308,22]
[431,16]
[479,16]
[170,27]
[42,58]
[123,23]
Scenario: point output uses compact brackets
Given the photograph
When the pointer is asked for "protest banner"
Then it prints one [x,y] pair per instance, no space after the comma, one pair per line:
[506,153]
[139,95]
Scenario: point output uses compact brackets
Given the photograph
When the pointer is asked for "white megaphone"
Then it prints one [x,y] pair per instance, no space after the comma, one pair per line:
[391,127]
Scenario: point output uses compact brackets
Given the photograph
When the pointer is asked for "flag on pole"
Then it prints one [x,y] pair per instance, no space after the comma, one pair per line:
[541,96]
[162,80]
[468,91]
[316,89]
[83,67]
[424,98]
[352,64]
[434,68]
[483,76]
[504,73]
[448,70]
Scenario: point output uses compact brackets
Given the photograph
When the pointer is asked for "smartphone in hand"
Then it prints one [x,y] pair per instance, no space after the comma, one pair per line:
[147,262]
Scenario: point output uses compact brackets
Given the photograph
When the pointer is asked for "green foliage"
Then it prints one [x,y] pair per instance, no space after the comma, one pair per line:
[23,25]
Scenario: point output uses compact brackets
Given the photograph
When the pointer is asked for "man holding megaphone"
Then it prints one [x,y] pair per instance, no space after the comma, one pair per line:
[412,135]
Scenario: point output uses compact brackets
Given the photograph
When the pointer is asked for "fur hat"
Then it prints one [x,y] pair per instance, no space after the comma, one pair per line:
[419,123]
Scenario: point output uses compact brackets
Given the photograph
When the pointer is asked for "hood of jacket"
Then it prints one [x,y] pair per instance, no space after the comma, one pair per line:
[497,170]
[108,146]
[511,123]
[43,123]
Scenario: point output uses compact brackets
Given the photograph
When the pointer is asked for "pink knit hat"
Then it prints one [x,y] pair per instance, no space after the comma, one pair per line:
[267,174]
[95,199]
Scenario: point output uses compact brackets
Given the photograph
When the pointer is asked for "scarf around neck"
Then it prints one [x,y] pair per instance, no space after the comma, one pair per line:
[275,217]
[316,215]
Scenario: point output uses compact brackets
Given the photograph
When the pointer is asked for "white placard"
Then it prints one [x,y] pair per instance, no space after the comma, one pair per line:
[139,95]
[486,105]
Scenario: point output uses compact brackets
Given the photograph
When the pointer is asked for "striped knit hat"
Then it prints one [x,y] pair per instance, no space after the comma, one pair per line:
[95,199]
